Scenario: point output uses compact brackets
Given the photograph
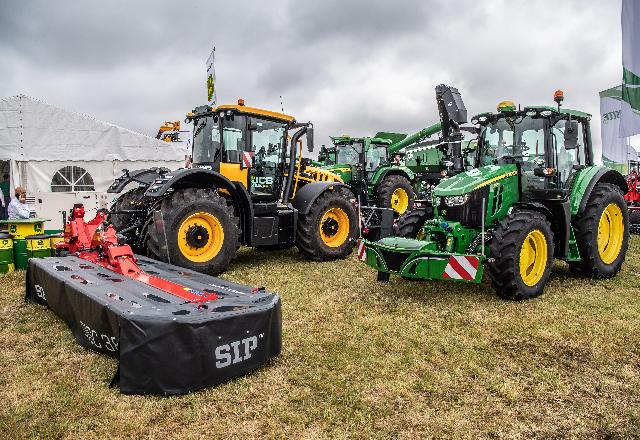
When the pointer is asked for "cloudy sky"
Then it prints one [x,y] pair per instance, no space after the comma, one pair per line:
[351,67]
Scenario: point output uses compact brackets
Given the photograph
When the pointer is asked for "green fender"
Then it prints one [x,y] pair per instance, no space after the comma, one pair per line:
[587,179]
[382,171]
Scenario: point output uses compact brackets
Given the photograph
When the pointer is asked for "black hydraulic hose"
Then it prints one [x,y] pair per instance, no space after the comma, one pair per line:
[292,163]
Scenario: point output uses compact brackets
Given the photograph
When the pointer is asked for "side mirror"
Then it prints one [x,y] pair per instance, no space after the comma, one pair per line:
[322,155]
[571,135]
[310,138]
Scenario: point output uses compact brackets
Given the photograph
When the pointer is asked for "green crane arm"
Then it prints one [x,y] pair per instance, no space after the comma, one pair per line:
[413,138]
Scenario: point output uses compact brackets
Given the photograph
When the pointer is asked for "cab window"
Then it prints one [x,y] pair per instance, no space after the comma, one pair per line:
[234,138]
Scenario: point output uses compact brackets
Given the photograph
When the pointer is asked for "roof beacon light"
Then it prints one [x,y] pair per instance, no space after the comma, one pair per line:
[558,97]
[241,102]
[506,106]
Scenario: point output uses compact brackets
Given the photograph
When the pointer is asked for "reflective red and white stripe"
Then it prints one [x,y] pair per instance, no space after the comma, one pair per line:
[461,267]
[362,251]
[247,157]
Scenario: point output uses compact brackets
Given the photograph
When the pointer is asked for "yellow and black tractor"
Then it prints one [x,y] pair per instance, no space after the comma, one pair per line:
[248,185]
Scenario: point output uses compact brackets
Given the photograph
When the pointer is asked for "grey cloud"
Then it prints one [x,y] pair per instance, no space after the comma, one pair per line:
[349,66]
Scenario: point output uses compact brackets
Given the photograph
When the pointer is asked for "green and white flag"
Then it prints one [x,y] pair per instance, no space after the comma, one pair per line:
[212,97]
[630,108]
[614,147]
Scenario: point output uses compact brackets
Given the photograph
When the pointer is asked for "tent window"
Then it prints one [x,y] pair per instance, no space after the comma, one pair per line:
[69,179]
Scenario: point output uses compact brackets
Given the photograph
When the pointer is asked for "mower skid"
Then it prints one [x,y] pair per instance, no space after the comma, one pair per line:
[164,343]
[423,265]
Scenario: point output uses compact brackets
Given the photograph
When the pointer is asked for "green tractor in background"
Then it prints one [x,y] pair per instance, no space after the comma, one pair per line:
[535,194]
[366,166]
[390,169]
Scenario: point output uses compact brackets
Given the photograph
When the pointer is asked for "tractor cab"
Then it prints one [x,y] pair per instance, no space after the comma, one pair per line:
[547,145]
[355,158]
[245,145]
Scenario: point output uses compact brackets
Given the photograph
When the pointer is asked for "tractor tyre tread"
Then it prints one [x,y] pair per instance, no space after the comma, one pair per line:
[174,209]
[308,238]
[504,265]
[586,233]
[125,201]
[388,185]
[410,223]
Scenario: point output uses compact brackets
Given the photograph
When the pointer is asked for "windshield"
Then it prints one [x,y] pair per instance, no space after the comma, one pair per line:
[520,138]
[376,155]
[348,153]
[206,141]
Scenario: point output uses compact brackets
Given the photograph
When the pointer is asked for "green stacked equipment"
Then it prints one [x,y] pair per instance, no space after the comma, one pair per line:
[20,253]
[38,246]
[6,253]
[535,194]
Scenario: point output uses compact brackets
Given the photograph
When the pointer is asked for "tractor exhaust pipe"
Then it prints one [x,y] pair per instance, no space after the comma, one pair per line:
[292,163]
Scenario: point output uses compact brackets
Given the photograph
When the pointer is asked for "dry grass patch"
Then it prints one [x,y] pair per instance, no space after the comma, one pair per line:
[360,360]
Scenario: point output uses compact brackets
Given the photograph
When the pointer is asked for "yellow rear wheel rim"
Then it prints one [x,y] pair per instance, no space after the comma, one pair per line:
[533,257]
[334,227]
[610,233]
[200,237]
[400,200]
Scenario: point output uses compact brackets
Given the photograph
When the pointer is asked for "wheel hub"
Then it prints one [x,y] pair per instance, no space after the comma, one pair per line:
[330,227]
[197,236]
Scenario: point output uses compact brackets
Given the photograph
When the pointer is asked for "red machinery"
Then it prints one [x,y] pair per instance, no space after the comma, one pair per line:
[633,196]
[85,240]
[633,200]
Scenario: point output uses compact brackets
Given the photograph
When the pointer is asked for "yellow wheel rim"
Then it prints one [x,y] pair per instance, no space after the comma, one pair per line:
[200,237]
[533,257]
[610,233]
[400,200]
[334,227]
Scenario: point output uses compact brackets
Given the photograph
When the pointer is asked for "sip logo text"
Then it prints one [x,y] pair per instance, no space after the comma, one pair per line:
[236,351]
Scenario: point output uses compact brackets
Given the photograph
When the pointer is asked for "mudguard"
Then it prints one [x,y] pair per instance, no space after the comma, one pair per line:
[144,176]
[384,171]
[206,178]
[308,194]
[587,180]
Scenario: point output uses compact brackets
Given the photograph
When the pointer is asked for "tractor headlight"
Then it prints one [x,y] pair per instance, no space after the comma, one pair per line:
[456,200]
[531,113]
[546,113]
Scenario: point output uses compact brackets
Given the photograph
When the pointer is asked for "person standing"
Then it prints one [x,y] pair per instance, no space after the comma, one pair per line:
[18,208]
[4,196]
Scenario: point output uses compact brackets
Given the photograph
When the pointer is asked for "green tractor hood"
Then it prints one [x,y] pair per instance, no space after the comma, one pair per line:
[341,169]
[471,180]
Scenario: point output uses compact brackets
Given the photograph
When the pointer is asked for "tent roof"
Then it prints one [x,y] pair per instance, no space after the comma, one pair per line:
[33,130]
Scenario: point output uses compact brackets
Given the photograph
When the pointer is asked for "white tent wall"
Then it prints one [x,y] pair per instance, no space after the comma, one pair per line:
[39,140]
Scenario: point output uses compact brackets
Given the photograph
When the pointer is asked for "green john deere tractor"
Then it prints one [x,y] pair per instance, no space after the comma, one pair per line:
[389,169]
[364,164]
[534,195]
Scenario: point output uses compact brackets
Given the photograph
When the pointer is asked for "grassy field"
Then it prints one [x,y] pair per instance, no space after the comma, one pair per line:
[360,360]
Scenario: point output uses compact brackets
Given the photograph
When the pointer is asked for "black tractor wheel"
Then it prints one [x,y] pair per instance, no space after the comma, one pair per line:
[201,231]
[634,221]
[410,223]
[602,233]
[126,202]
[395,192]
[521,255]
[328,231]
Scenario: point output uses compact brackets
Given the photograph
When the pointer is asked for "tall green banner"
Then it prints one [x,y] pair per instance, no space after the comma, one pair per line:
[212,97]
[630,106]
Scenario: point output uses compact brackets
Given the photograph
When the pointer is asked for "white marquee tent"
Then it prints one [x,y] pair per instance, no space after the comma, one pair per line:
[64,157]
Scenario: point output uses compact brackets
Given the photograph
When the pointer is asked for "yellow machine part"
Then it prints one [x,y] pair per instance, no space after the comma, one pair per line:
[610,233]
[533,257]
[233,172]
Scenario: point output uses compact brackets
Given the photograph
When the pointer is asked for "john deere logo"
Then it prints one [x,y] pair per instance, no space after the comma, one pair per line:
[13,229]
[38,227]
